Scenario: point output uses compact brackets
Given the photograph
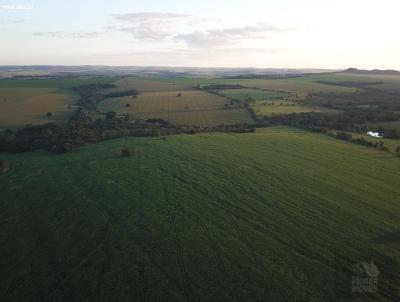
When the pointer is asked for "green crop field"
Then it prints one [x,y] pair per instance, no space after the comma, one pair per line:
[390,82]
[190,108]
[253,94]
[394,125]
[20,106]
[285,107]
[62,83]
[27,101]
[301,85]
[149,85]
[277,215]
[391,144]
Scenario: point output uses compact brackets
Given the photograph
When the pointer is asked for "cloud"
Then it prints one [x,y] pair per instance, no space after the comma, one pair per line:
[220,37]
[184,56]
[70,35]
[12,21]
[189,54]
[148,25]
[147,16]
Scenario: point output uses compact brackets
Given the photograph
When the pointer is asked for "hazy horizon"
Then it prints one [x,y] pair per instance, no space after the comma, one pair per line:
[290,34]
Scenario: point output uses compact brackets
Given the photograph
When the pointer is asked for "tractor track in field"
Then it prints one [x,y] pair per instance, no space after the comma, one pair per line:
[180,257]
[56,287]
[213,247]
[146,252]
[141,239]
[104,243]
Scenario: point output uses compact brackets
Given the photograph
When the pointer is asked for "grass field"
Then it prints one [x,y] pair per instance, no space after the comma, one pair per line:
[191,108]
[279,215]
[285,107]
[393,125]
[300,85]
[391,144]
[254,94]
[148,85]
[391,82]
[26,101]
[20,106]
[62,83]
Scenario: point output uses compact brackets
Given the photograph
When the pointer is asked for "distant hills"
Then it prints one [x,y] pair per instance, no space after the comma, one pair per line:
[52,71]
[150,71]
[374,71]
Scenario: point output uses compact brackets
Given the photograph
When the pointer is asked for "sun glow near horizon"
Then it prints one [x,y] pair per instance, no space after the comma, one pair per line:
[288,34]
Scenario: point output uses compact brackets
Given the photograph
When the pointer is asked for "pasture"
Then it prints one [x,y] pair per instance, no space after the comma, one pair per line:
[148,85]
[27,101]
[65,83]
[390,82]
[285,107]
[391,144]
[253,94]
[277,215]
[189,107]
[393,125]
[301,85]
[20,106]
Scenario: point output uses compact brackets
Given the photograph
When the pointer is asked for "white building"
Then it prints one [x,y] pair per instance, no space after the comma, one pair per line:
[374,134]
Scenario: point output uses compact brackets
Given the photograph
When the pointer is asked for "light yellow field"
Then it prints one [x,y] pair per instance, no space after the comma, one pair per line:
[165,101]
[391,144]
[275,108]
[20,106]
[301,86]
[203,117]
[192,108]
[144,85]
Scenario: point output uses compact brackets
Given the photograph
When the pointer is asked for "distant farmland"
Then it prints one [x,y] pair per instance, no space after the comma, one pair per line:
[27,101]
[285,107]
[300,85]
[20,106]
[145,85]
[253,94]
[182,107]
[278,215]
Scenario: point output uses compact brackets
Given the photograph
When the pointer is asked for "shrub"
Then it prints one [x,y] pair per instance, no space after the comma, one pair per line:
[125,152]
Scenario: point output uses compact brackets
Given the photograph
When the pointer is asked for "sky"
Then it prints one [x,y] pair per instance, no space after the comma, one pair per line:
[208,33]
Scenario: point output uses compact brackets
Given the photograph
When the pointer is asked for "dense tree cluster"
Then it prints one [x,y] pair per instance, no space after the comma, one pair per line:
[356,84]
[81,130]
[359,141]
[91,94]
[369,98]
[221,87]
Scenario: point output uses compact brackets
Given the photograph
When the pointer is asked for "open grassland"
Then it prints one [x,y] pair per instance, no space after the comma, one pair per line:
[190,108]
[285,107]
[390,82]
[207,118]
[20,106]
[277,215]
[148,85]
[301,85]
[253,94]
[392,125]
[61,83]
[391,144]
[27,101]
